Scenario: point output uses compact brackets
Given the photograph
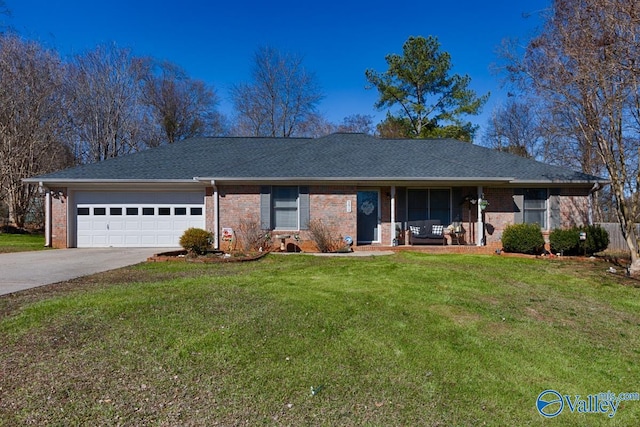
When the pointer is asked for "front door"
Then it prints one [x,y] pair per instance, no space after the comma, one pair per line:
[368,216]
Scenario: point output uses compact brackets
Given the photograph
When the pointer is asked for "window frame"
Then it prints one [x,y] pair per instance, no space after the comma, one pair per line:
[274,209]
[428,209]
[527,197]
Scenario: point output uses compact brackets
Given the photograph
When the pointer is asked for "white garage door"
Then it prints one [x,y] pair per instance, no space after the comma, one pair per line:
[136,219]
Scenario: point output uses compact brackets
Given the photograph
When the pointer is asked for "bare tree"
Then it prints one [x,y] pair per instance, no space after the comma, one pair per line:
[5,13]
[108,116]
[515,128]
[183,107]
[584,65]
[314,126]
[31,121]
[357,123]
[281,98]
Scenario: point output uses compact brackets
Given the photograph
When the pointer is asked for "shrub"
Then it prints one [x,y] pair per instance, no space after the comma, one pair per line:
[196,240]
[323,236]
[568,241]
[565,241]
[597,239]
[523,238]
[252,237]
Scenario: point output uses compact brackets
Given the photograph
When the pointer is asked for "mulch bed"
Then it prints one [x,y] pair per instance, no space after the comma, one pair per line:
[210,257]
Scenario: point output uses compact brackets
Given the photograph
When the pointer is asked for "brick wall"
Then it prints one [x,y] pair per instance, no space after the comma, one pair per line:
[59,219]
[574,210]
[209,211]
[237,203]
[326,203]
[574,207]
[329,204]
[498,214]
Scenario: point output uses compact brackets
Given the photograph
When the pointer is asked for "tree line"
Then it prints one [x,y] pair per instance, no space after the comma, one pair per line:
[100,104]
[107,102]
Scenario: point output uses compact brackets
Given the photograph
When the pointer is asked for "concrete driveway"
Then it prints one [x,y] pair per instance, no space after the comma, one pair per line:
[24,270]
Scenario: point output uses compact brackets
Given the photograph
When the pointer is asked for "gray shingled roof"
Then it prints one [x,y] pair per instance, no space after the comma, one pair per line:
[338,156]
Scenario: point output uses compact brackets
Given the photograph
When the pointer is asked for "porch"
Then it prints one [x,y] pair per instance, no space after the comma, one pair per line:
[408,216]
[434,249]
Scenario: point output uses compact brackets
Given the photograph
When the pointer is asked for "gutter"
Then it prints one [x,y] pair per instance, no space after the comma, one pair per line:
[349,179]
[56,181]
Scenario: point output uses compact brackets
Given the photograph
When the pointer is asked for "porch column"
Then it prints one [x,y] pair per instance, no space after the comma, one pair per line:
[393,214]
[47,216]
[216,212]
[480,224]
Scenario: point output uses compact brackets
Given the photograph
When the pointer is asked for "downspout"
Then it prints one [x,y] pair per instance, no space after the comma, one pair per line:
[216,211]
[394,242]
[595,188]
[480,225]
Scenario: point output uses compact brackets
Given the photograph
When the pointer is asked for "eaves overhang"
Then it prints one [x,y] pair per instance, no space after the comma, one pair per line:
[112,183]
[373,180]
[347,179]
[567,182]
[399,181]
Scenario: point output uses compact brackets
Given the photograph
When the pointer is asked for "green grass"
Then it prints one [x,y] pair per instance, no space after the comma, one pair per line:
[21,242]
[409,339]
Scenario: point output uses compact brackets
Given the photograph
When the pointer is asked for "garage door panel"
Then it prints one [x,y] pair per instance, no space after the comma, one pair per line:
[84,241]
[120,221]
[116,240]
[141,198]
[132,225]
[132,240]
[164,225]
[117,225]
[148,241]
[148,224]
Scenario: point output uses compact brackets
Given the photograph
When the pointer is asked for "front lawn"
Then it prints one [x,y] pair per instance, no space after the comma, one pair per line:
[406,340]
[21,242]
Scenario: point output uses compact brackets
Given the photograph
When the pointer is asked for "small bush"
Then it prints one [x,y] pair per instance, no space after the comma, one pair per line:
[523,238]
[597,239]
[196,241]
[252,237]
[323,236]
[565,241]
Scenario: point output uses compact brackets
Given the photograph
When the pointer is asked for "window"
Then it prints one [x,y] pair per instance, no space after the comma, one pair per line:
[429,204]
[132,211]
[164,211]
[115,211]
[83,211]
[418,205]
[148,211]
[180,211]
[535,206]
[196,211]
[284,201]
[100,211]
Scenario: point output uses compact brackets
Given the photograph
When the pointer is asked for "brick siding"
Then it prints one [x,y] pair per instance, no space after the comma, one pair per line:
[329,204]
[59,221]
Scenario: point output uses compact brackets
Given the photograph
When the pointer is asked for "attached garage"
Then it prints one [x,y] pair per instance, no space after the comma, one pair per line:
[136,219]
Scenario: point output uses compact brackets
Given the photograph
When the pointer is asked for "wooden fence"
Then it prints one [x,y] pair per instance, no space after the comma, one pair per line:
[616,242]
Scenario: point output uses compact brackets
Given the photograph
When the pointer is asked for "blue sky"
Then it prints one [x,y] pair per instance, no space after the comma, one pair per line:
[214,41]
